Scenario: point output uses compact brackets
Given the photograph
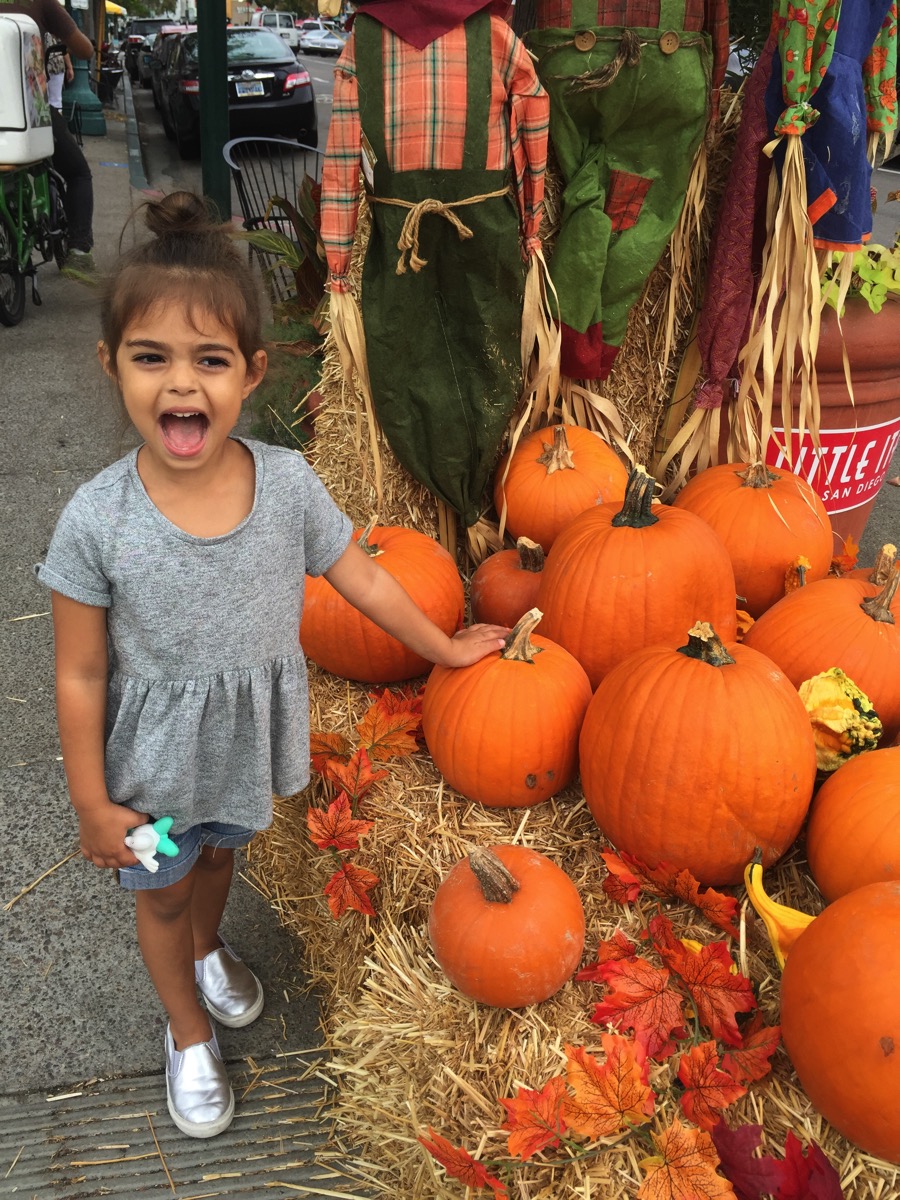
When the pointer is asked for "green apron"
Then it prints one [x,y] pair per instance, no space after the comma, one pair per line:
[443,343]
[628,109]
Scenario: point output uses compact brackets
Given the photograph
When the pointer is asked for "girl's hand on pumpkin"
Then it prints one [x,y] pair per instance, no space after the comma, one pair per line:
[102,832]
[469,645]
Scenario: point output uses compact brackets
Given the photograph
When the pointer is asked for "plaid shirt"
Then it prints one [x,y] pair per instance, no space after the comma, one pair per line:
[425,127]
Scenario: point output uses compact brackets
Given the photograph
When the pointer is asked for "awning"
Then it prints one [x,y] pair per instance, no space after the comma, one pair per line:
[116,9]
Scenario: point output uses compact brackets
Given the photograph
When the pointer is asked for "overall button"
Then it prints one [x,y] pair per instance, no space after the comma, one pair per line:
[585,39]
[669,42]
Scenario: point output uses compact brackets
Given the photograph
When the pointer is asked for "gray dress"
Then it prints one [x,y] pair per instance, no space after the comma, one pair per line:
[208,709]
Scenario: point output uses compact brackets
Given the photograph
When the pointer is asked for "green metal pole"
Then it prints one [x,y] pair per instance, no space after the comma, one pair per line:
[211,22]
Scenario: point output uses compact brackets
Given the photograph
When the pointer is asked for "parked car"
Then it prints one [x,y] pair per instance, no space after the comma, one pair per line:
[136,30]
[269,93]
[163,45]
[281,23]
[318,37]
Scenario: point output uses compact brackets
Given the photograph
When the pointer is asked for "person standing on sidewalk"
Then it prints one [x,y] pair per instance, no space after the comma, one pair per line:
[51,18]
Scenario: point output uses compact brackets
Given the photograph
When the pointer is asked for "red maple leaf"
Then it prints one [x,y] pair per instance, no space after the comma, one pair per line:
[610,1096]
[798,1176]
[388,735]
[459,1164]
[707,1089]
[328,747]
[620,884]
[750,1061]
[807,1176]
[716,987]
[612,950]
[349,887]
[534,1120]
[405,700]
[642,1000]
[629,875]
[354,777]
[684,1169]
[336,828]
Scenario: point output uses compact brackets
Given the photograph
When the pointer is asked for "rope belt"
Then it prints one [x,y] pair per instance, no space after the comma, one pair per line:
[408,243]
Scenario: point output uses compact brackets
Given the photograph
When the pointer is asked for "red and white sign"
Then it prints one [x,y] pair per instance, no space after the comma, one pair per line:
[847,468]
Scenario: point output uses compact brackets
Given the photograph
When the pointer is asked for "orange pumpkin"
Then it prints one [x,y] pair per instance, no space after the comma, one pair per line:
[765,521]
[504,731]
[844,623]
[506,584]
[853,836]
[507,927]
[336,636]
[549,483]
[621,577]
[840,1017]
[694,757]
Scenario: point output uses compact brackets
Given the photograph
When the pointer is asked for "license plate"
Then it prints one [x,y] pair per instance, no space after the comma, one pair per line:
[249,89]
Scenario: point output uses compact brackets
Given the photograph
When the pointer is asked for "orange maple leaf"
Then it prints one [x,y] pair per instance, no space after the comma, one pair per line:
[349,887]
[388,734]
[719,991]
[408,700]
[611,1096]
[708,1090]
[336,828]
[844,563]
[642,1000]
[354,777]
[684,1169]
[534,1120]
[459,1164]
[328,747]
[630,873]
[750,1061]
[611,950]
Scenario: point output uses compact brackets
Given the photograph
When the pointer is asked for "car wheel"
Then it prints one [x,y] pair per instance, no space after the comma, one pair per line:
[12,281]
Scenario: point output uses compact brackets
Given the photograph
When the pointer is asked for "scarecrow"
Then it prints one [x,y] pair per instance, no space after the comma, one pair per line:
[632,86]
[438,102]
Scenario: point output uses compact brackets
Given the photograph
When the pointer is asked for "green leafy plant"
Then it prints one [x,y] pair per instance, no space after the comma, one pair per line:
[874,275]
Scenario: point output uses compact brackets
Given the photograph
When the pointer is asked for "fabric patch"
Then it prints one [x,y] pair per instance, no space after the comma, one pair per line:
[624,199]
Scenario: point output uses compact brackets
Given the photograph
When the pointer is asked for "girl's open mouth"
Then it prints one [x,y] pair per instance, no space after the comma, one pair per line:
[184,433]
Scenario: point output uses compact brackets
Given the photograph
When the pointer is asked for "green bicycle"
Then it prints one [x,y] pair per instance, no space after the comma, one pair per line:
[32,220]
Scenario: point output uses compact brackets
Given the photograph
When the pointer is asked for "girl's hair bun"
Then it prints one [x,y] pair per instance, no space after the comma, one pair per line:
[180,213]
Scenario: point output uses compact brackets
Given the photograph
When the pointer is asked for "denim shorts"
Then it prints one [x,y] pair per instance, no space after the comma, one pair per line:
[189,843]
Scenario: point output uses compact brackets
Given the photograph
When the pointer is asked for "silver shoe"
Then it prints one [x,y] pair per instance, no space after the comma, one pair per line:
[201,1102]
[233,994]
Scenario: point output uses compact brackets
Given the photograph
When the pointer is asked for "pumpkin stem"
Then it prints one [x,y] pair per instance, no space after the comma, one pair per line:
[531,555]
[558,456]
[795,575]
[705,645]
[635,511]
[363,540]
[519,647]
[879,607]
[783,925]
[884,564]
[498,885]
[757,475]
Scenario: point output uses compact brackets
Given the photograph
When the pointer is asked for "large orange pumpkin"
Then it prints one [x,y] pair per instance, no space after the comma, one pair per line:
[840,1016]
[507,926]
[506,584]
[766,521]
[694,757]
[550,482]
[336,636]
[853,836]
[504,731]
[621,577]
[844,623]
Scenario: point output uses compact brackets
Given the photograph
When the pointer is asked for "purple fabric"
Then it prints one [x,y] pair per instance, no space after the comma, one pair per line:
[421,22]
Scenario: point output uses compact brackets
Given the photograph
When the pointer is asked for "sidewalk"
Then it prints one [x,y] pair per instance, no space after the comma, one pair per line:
[82,1090]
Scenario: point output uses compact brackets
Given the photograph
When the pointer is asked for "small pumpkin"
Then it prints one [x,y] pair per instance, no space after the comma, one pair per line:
[853,835]
[843,721]
[693,757]
[544,484]
[504,731]
[507,926]
[506,584]
[339,638]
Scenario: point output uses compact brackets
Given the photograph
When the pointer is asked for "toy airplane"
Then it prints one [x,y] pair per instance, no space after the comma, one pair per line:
[146,841]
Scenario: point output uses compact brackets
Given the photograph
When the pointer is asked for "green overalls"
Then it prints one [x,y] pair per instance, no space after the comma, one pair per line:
[443,342]
[628,109]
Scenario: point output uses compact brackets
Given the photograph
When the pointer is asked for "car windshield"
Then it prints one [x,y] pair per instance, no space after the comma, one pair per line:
[145,27]
[243,45]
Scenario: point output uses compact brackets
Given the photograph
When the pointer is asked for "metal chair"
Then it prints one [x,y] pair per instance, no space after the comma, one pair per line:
[262,168]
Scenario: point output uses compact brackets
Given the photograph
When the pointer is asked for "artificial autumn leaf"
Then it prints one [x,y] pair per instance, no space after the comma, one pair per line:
[459,1164]
[751,1177]
[845,562]
[629,874]
[642,1000]
[388,735]
[707,1089]
[328,747]
[744,622]
[609,1097]
[750,1061]
[534,1120]
[406,700]
[684,1169]
[808,1176]
[716,987]
[620,884]
[349,887]
[613,949]
[336,828]
[354,777]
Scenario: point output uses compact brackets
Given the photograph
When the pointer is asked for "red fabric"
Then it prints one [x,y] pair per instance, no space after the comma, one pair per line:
[421,22]
[585,355]
[625,198]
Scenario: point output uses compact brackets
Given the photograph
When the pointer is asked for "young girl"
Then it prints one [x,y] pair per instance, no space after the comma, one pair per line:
[177,577]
